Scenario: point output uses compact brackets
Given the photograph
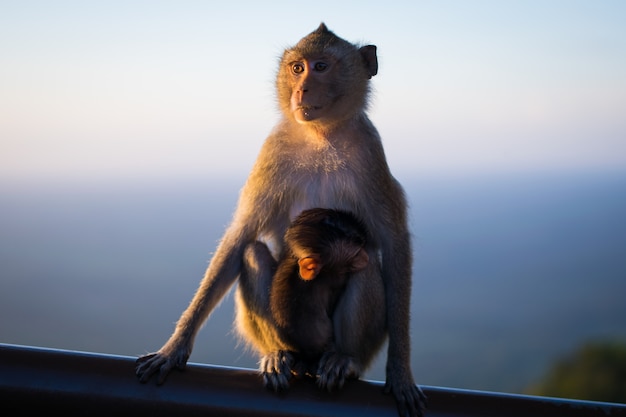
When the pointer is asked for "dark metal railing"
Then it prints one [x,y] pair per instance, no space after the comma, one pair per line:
[77,383]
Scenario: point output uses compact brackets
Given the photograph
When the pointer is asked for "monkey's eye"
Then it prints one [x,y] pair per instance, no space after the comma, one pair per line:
[320,66]
[297,68]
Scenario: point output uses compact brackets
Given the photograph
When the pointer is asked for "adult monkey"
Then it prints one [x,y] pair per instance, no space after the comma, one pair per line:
[324,152]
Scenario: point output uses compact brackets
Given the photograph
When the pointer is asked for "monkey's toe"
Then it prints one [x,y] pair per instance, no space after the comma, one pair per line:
[276,368]
[334,369]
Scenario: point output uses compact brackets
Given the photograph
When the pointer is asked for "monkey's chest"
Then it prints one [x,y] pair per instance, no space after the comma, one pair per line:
[323,188]
[314,174]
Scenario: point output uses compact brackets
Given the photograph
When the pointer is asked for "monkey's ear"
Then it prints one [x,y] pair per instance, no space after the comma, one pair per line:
[360,260]
[309,267]
[368,53]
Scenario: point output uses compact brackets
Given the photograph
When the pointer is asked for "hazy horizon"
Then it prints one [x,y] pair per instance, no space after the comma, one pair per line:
[510,274]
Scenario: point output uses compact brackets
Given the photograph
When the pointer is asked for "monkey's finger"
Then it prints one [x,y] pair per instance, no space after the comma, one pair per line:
[420,399]
[144,358]
[410,400]
[164,371]
[404,406]
[146,366]
[415,399]
[162,376]
[402,410]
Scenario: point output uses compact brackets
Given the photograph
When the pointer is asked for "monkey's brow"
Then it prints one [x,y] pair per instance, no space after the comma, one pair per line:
[326,58]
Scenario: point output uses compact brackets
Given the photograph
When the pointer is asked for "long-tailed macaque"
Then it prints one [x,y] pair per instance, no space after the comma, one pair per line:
[323,247]
[324,152]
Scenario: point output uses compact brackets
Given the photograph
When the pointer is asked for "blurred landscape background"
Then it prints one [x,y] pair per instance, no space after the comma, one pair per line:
[127,129]
[511,274]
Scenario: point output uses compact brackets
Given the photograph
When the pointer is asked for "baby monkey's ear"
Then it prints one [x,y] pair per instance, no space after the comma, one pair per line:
[309,267]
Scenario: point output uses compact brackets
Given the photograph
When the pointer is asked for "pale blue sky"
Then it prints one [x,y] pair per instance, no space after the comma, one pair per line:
[184,89]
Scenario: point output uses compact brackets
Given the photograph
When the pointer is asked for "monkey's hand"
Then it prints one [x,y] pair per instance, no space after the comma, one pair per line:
[276,369]
[409,397]
[335,368]
[162,362]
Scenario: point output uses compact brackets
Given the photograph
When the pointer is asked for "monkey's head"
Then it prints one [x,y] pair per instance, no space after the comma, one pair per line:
[330,239]
[324,80]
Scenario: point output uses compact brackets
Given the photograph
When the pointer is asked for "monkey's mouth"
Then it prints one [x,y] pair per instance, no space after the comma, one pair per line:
[305,113]
[308,108]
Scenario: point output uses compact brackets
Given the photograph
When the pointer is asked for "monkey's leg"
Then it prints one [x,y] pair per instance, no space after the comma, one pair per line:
[359,328]
[256,279]
[254,320]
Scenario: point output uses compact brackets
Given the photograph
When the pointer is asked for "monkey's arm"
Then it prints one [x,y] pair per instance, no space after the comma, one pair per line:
[397,270]
[254,208]
[219,277]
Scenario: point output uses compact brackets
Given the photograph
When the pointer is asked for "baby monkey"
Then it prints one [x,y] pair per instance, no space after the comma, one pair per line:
[323,247]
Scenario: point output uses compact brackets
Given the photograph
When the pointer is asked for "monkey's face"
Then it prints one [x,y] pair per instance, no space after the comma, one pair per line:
[312,93]
[324,79]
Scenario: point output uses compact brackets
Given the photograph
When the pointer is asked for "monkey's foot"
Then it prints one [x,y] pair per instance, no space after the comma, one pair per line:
[276,369]
[335,368]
